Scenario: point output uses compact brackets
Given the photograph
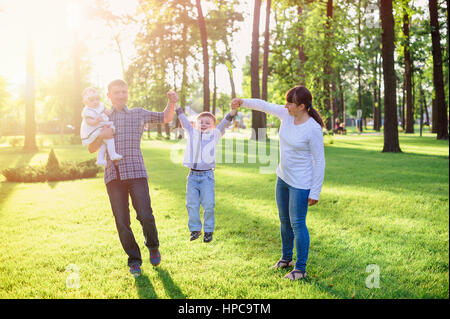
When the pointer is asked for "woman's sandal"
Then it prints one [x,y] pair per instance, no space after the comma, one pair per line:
[283,264]
[296,274]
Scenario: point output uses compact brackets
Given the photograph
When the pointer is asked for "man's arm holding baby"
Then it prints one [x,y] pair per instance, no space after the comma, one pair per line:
[105,133]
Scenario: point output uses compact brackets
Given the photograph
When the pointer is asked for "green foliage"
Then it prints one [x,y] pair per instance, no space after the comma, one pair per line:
[52,162]
[52,171]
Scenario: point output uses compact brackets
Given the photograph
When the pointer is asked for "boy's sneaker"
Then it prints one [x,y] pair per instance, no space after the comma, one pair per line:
[195,235]
[135,270]
[155,257]
[207,237]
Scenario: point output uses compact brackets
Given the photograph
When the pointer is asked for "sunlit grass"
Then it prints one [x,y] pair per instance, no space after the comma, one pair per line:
[375,208]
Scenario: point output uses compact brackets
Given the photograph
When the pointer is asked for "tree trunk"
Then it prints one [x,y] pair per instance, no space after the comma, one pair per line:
[215,85]
[233,88]
[30,121]
[380,79]
[229,65]
[184,78]
[427,115]
[204,37]
[327,67]
[77,100]
[359,62]
[408,76]
[438,80]
[167,129]
[258,118]
[391,142]
[402,108]
[265,69]
[301,48]
[433,115]
[375,94]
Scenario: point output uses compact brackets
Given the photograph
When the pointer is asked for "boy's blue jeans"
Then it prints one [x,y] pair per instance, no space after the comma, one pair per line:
[200,191]
[292,208]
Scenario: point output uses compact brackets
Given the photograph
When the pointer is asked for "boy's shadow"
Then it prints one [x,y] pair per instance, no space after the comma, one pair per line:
[145,288]
[172,290]
[147,291]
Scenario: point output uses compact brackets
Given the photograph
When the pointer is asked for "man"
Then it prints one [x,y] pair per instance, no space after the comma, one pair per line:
[129,176]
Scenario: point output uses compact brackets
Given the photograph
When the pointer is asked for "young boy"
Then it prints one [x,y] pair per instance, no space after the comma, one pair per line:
[200,157]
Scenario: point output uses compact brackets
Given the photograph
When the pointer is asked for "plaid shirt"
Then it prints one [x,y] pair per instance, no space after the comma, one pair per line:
[129,128]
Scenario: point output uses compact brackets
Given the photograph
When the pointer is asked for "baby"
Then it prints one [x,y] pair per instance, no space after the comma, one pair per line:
[95,117]
[200,157]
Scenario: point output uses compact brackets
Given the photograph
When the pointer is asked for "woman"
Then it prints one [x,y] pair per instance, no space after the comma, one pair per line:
[300,173]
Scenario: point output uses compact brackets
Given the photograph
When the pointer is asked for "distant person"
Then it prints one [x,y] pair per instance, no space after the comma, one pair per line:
[95,116]
[300,173]
[200,158]
[129,177]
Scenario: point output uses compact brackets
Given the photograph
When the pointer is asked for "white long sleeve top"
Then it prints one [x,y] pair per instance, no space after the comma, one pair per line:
[302,156]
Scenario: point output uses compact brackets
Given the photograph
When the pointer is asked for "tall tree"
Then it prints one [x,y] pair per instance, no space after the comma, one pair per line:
[77,102]
[30,96]
[391,141]
[204,38]
[409,116]
[265,69]
[328,71]
[441,105]
[359,63]
[301,47]
[258,118]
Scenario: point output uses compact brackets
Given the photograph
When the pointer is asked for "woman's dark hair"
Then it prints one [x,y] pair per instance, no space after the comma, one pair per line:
[301,95]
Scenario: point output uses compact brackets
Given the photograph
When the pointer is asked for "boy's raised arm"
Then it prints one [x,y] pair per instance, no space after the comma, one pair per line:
[183,119]
[226,121]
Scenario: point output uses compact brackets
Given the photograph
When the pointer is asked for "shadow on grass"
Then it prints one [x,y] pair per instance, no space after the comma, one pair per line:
[7,188]
[172,290]
[145,288]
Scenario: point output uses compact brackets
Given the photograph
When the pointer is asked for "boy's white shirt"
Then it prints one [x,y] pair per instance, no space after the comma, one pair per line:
[206,159]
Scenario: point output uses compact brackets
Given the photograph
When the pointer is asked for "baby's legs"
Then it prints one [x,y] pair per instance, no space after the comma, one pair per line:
[101,155]
[112,150]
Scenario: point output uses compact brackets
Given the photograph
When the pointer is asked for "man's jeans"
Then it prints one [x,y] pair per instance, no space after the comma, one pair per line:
[140,198]
[200,191]
[292,208]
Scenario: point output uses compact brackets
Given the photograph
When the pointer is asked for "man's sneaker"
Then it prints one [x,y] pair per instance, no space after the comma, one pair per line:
[155,257]
[195,235]
[135,270]
[208,237]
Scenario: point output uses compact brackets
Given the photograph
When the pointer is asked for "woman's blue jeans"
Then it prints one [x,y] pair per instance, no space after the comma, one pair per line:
[292,208]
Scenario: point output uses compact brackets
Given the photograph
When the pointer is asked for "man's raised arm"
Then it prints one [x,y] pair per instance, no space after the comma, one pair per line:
[170,108]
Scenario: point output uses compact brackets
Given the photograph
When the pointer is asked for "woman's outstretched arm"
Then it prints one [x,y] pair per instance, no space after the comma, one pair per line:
[260,105]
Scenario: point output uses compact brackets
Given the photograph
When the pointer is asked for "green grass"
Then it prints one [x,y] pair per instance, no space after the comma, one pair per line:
[375,208]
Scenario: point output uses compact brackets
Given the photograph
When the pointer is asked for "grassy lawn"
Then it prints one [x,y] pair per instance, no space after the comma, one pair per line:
[388,210]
